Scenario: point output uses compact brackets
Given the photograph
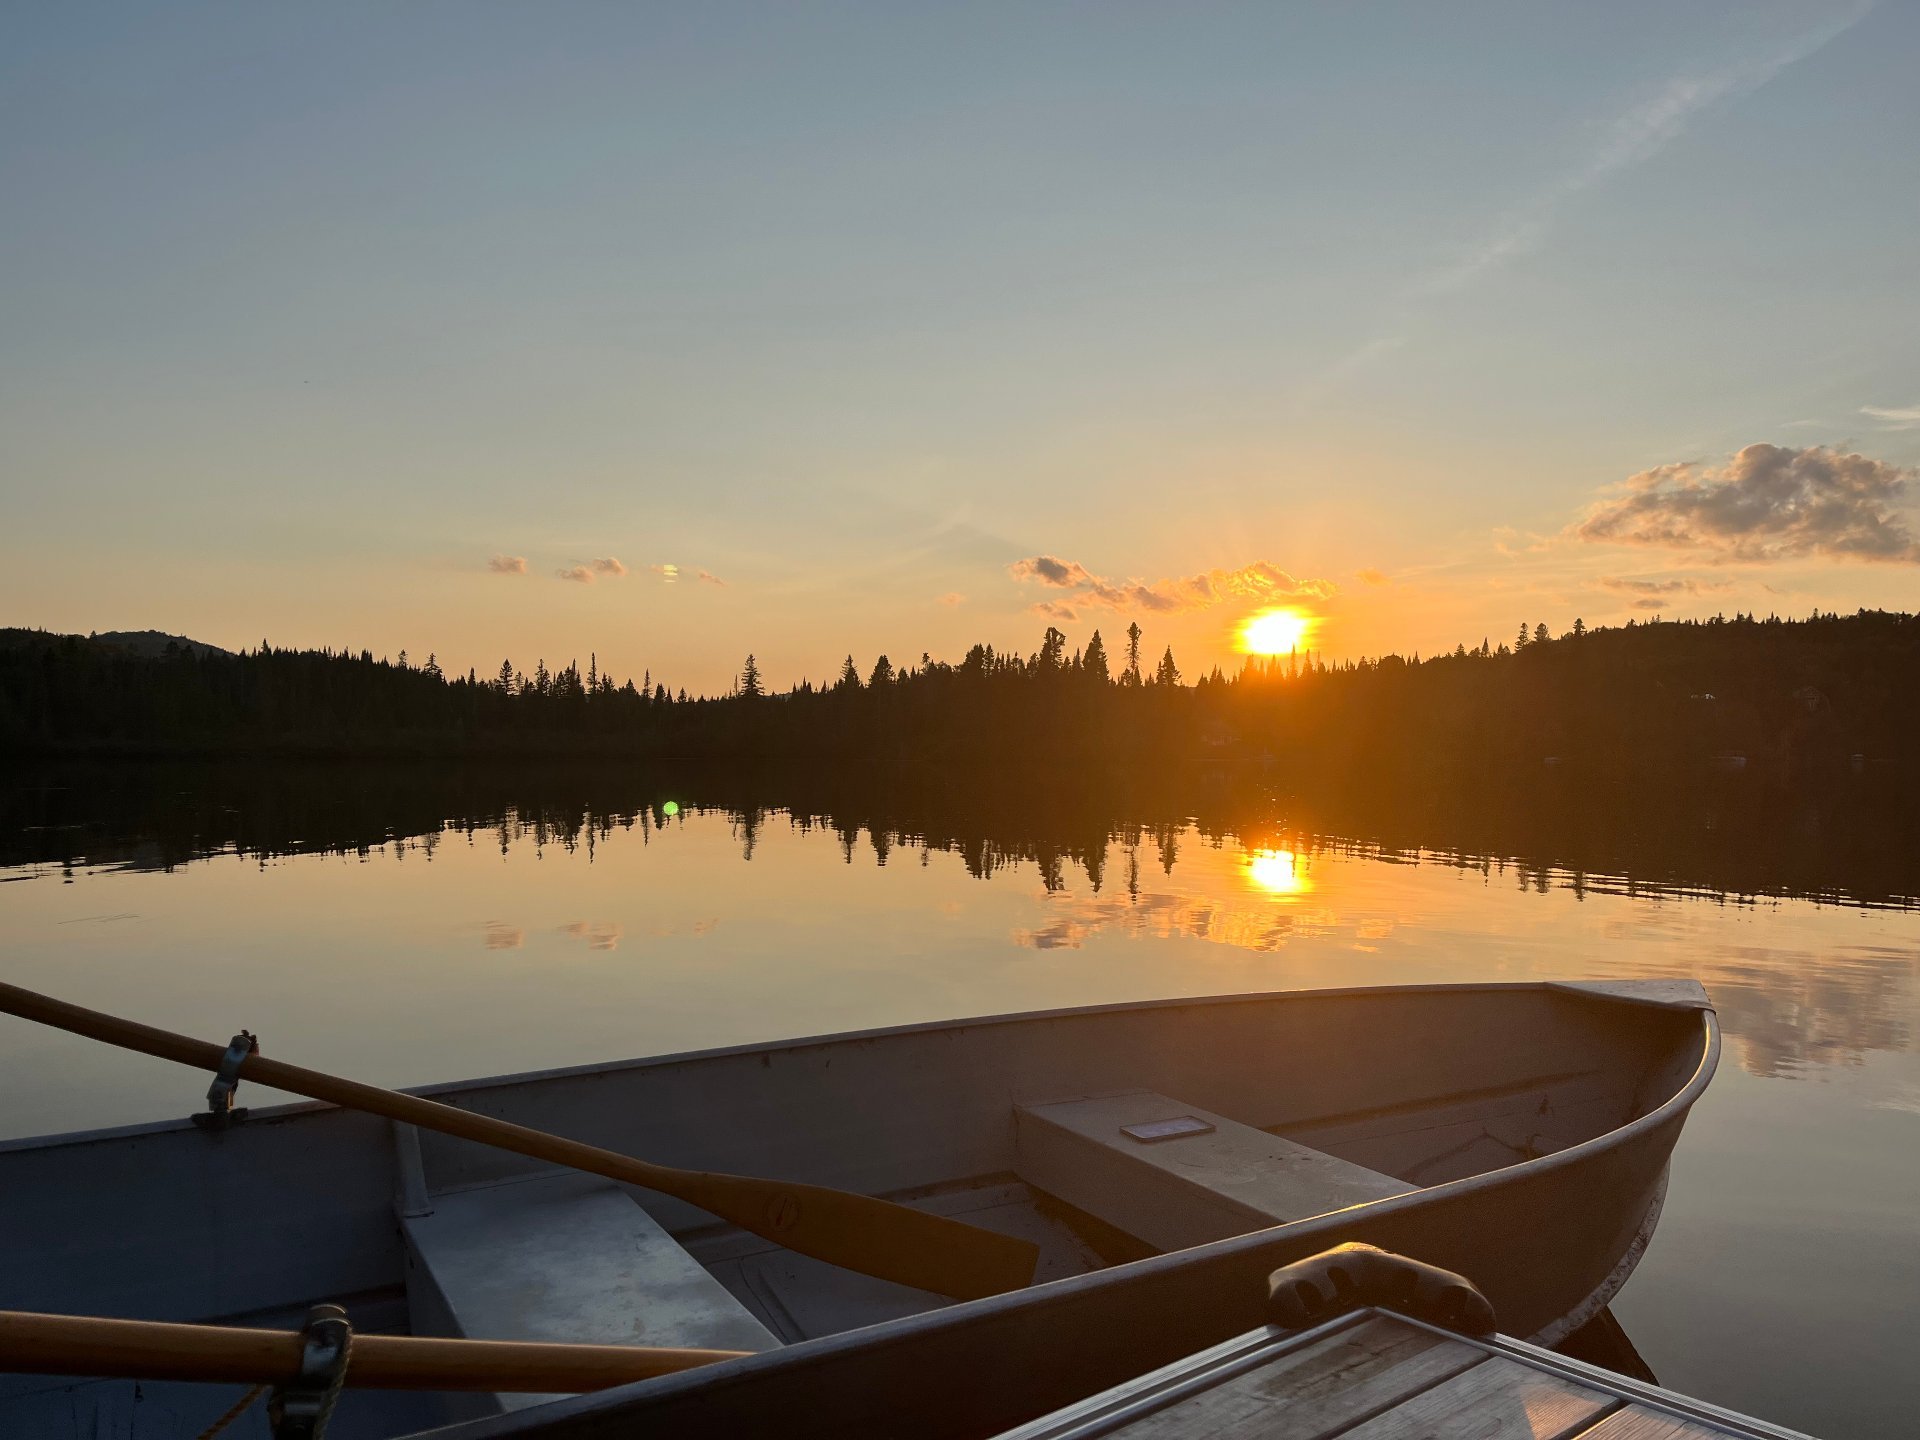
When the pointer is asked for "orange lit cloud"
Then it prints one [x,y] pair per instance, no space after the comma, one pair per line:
[952,597]
[708,577]
[1643,586]
[1260,582]
[508,564]
[580,574]
[607,565]
[1370,576]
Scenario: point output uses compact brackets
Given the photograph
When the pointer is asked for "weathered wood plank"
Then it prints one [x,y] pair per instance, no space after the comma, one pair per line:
[1499,1400]
[1315,1390]
[1638,1423]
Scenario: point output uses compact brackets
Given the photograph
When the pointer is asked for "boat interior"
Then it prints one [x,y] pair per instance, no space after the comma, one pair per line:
[1102,1136]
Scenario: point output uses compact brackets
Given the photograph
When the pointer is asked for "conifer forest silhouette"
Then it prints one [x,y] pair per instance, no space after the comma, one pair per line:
[1803,702]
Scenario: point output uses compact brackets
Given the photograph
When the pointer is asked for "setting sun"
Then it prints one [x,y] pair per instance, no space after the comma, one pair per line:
[1274,632]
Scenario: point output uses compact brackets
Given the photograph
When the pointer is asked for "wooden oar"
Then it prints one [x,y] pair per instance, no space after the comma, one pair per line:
[860,1232]
[33,1344]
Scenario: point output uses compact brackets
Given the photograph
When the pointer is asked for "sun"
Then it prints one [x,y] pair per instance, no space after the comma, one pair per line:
[1274,632]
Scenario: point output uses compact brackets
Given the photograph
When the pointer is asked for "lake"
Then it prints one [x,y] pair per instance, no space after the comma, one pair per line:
[408,924]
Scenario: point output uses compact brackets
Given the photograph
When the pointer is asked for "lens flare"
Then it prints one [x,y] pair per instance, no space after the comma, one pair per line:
[1275,632]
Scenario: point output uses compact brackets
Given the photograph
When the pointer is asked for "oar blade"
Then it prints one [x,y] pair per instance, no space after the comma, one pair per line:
[873,1236]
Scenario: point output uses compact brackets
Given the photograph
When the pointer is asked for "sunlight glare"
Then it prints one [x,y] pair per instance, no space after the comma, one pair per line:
[1274,632]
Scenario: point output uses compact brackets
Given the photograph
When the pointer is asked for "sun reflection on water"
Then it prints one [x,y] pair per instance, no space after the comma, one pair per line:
[1277,872]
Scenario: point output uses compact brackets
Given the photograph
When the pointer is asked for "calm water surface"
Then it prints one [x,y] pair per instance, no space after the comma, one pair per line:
[405,933]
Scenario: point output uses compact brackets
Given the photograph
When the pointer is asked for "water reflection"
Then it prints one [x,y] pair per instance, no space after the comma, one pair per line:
[1725,882]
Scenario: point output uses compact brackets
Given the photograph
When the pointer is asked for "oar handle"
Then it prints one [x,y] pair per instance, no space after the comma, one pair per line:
[34,1344]
[860,1232]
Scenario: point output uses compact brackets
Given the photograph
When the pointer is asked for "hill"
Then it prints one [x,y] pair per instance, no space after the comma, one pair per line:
[145,644]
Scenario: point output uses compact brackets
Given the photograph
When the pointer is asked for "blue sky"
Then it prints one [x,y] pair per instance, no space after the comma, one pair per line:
[306,314]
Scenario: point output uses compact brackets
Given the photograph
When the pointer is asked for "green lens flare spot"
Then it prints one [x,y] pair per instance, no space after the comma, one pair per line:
[672,807]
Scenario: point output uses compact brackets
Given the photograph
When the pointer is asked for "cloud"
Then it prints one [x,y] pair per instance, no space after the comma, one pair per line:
[579,573]
[1055,610]
[498,935]
[607,565]
[1635,136]
[1649,605]
[1635,585]
[1370,576]
[708,577]
[1766,503]
[952,597]
[1050,571]
[1905,417]
[1260,582]
[508,564]
[668,573]
[1511,543]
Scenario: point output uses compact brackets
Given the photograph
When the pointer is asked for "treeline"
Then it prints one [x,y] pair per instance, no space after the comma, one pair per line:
[1799,698]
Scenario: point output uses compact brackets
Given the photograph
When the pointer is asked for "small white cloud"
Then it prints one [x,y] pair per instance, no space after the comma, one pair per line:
[1904,417]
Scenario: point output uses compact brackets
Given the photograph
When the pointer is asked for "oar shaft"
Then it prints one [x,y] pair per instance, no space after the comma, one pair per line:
[34,1344]
[350,1094]
[861,1232]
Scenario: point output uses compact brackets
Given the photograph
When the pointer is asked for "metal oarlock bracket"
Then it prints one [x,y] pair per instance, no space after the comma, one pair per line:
[220,1111]
[300,1409]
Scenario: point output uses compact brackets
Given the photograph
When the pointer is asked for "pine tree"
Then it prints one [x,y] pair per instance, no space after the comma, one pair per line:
[1520,641]
[1093,664]
[1168,673]
[1130,677]
[750,686]
[849,677]
[1540,635]
[1053,645]
[882,673]
[1579,627]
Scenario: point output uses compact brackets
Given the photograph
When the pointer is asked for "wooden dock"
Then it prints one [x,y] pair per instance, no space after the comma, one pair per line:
[1372,1375]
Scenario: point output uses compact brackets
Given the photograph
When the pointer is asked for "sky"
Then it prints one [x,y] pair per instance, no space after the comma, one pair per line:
[667,334]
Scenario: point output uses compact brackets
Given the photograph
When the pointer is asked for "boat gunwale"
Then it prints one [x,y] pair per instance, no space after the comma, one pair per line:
[1573,989]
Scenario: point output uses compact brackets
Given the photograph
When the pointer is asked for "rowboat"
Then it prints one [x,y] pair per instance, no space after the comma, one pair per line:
[1161,1156]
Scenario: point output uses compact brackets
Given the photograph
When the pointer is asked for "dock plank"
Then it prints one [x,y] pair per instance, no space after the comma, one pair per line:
[1497,1400]
[1317,1390]
[1636,1422]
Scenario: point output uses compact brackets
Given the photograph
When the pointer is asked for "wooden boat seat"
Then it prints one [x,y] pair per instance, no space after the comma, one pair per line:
[1219,1178]
[568,1258]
